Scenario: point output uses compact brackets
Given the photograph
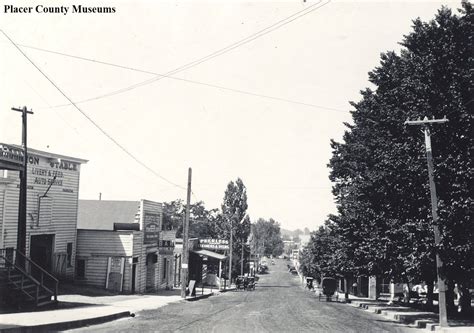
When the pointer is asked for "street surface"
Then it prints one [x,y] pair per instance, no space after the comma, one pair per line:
[278,304]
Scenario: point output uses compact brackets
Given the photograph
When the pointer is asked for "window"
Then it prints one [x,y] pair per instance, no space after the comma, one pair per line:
[151,258]
[45,207]
[81,269]
[69,254]
[165,266]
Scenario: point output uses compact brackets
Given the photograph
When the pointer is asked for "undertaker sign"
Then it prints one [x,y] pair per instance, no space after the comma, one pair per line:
[214,244]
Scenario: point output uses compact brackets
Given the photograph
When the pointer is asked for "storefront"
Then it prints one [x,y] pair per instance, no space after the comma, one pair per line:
[118,245]
[206,265]
[51,208]
[166,258]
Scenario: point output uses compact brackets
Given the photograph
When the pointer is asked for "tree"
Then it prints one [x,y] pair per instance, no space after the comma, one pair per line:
[266,238]
[380,171]
[201,221]
[319,257]
[297,232]
[234,208]
[173,213]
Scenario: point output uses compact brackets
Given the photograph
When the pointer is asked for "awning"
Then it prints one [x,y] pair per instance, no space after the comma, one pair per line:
[211,254]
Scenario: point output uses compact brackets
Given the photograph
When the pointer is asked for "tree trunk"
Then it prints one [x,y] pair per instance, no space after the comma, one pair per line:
[450,307]
[465,301]
[406,292]
[429,294]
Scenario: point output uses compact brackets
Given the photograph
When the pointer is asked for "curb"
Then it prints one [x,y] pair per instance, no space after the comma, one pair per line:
[198,297]
[67,324]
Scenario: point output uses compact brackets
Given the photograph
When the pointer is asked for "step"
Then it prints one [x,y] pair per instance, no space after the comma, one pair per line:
[385,309]
[410,318]
[26,285]
[423,323]
[370,305]
[46,303]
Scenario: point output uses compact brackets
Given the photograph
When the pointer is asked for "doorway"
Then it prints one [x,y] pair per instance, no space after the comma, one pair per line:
[134,277]
[41,252]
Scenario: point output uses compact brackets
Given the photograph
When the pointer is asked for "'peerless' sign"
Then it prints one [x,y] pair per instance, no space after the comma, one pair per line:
[214,244]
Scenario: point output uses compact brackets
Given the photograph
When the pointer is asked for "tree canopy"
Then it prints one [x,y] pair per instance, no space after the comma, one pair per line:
[384,223]
[266,237]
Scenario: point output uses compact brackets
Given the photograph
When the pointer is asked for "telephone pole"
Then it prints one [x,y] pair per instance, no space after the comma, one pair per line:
[230,252]
[185,261]
[242,260]
[21,233]
[443,318]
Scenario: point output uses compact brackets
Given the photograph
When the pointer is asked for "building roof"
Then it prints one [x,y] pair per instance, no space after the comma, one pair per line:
[102,214]
[46,153]
[211,254]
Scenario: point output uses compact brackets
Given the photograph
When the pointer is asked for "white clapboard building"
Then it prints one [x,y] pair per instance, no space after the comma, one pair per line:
[118,245]
[52,199]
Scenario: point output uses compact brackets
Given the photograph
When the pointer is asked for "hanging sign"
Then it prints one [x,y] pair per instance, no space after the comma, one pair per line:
[214,244]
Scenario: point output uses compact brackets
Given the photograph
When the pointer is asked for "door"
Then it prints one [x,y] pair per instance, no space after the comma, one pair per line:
[134,277]
[41,253]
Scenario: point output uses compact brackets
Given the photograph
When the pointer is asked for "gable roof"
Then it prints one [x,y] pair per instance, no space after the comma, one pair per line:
[102,214]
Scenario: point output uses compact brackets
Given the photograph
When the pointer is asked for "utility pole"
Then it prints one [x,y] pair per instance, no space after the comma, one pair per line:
[230,251]
[242,260]
[21,234]
[443,318]
[185,261]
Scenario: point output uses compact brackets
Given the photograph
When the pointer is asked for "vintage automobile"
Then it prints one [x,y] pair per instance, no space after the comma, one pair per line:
[245,283]
[309,283]
[329,286]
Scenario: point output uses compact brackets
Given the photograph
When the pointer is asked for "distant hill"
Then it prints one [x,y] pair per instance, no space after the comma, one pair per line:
[291,233]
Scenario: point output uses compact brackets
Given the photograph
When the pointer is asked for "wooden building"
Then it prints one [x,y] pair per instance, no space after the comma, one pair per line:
[205,266]
[52,199]
[119,246]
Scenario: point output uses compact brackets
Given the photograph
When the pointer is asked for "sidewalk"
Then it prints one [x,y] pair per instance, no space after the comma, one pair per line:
[77,311]
[410,316]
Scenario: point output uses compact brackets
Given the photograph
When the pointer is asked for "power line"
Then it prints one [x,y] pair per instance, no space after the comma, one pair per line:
[91,120]
[178,79]
[226,49]
[217,53]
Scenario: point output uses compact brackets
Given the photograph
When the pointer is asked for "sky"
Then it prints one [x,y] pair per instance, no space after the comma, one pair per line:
[264,110]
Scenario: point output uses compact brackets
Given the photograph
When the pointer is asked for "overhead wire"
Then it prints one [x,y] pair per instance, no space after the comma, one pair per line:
[178,79]
[244,41]
[125,150]
[214,54]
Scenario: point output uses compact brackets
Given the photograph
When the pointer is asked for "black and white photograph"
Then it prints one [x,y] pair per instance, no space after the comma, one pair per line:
[236,166]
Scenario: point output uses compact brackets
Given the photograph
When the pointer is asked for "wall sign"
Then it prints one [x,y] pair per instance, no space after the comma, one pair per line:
[151,223]
[214,244]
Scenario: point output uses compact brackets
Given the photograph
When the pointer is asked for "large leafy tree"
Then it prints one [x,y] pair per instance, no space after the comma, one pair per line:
[266,237]
[201,220]
[380,171]
[234,210]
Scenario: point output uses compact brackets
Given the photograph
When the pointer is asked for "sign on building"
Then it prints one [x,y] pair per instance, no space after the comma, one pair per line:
[11,157]
[214,244]
[152,227]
